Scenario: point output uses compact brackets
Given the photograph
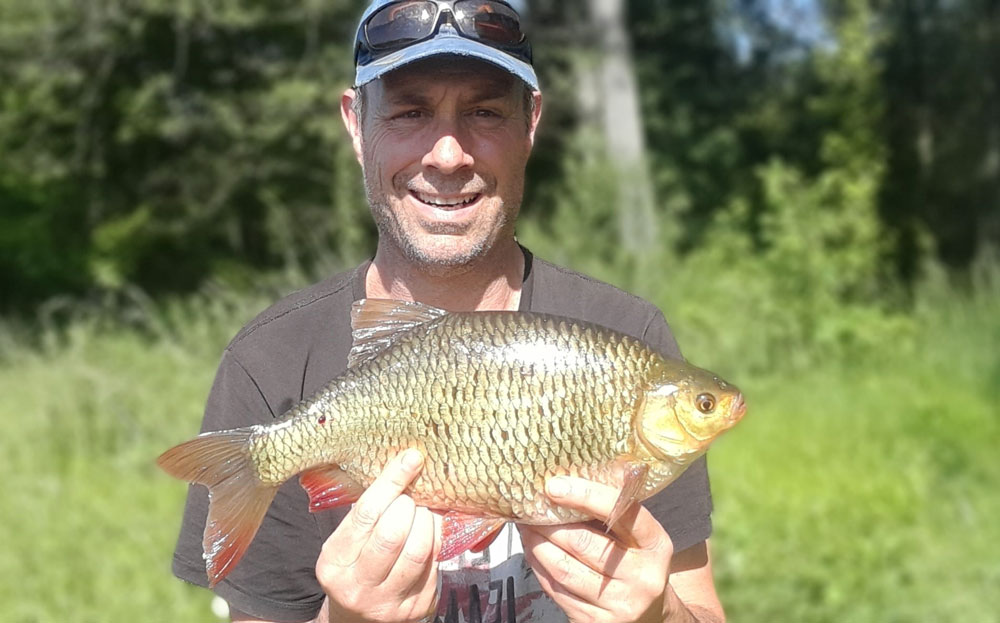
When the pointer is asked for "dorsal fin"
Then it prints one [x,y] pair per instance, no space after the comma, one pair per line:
[378,323]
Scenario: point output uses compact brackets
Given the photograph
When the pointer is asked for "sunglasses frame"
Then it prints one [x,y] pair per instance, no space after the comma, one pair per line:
[520,50]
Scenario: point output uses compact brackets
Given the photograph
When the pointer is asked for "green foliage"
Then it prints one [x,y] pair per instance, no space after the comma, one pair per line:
[795,260]
[87,410]
[942,127]
[876,473]
[160,144]
[848,488]
[184,145]
[581,227]
[154,141]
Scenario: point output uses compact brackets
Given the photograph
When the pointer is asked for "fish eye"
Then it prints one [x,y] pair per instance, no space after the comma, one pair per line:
[705,403]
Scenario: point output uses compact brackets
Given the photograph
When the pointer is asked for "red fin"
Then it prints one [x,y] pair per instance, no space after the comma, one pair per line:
[488,540]
[237,498]
[329,487]
[634,481]
[461,532]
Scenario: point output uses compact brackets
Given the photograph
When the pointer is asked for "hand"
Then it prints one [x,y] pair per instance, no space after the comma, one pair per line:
[595,576]
[380,562]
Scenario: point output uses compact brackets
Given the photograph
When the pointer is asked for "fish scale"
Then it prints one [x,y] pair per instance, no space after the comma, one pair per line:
[497,402]
[405,391]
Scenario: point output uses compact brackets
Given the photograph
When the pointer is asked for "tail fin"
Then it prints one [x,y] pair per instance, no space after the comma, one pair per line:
[238,499]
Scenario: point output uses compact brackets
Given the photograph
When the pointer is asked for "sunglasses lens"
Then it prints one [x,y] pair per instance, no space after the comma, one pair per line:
[491,22]
[400,24]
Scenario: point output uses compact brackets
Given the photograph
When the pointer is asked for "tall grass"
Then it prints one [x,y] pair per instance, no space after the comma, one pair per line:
[85,410]
[860,488]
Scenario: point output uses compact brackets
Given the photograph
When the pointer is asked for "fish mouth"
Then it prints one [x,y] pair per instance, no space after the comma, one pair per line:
[739,409]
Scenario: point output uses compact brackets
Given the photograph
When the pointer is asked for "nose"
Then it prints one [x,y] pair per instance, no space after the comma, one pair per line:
[447,155]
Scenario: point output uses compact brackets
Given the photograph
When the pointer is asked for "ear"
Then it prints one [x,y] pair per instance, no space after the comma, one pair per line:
[352,122]
[536,115]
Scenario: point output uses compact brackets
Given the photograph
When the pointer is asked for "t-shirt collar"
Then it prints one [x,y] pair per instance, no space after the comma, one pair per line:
[527,280]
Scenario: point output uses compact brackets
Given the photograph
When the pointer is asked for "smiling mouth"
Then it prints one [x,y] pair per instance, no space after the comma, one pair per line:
[446,203]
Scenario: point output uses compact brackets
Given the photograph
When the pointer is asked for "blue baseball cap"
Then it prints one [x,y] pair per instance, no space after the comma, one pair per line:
[447,40]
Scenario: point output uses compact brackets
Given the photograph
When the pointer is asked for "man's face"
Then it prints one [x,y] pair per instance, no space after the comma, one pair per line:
[443,145]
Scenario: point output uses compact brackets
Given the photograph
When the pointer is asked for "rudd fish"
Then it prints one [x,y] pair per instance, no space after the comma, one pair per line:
[497,402]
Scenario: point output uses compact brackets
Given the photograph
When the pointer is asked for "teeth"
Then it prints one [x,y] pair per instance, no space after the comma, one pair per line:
[444,203]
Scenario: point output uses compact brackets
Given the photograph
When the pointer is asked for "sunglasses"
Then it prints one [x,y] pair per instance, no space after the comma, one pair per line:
[404,23]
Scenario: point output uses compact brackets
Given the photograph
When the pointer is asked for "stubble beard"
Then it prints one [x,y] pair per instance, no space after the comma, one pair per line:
[453,262]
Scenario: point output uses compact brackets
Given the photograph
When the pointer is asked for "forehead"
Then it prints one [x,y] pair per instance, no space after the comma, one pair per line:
[477,78]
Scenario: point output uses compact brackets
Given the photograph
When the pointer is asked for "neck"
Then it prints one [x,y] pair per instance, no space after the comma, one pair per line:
[492,282]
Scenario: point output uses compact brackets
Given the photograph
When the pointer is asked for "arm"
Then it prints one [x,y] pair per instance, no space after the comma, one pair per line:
[630,575]
[692,584]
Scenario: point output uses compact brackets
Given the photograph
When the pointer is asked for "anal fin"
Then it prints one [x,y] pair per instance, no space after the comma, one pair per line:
[461,532]
[328,487]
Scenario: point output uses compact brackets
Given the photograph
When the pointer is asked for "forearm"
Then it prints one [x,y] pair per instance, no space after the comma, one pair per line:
[679,612]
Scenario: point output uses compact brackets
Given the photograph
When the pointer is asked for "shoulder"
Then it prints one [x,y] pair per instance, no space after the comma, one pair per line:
[297,345]
[300,312]
[557,285]
[565,292]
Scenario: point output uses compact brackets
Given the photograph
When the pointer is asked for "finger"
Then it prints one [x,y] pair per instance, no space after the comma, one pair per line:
[637,527]
[588,545]
[438,532]
[417,556]
[556,582]
[361,520]
[414,577]
[429,587]
[379,555]
[566,571]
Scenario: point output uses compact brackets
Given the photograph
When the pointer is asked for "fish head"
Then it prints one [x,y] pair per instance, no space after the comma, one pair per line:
[685,409]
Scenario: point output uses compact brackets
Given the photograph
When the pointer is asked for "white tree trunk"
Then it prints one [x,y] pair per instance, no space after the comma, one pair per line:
[615,96]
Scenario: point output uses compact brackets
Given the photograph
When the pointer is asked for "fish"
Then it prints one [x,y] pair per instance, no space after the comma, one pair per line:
[498,402]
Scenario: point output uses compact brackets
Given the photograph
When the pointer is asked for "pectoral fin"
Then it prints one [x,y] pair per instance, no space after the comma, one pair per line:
[632,487]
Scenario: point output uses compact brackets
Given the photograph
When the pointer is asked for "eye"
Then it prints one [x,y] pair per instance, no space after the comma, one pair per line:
[705,403]
[486,118]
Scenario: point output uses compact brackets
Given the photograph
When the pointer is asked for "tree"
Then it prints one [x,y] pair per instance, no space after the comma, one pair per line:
[943,127]
[154,142]
[609,90]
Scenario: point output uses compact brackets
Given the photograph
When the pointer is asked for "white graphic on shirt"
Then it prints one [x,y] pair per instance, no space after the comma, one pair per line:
[494,586]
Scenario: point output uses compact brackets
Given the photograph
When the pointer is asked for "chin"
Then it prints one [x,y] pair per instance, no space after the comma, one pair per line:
[446,256]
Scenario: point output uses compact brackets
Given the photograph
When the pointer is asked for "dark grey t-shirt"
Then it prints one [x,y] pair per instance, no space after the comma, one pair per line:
[292,350]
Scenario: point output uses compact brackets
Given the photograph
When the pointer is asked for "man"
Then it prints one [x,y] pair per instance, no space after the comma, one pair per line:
[442,119]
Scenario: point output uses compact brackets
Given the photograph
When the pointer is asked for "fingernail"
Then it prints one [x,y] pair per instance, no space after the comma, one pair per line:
[557,487]
[412,459]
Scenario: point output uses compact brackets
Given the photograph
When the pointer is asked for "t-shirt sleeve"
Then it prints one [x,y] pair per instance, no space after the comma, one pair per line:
[684,508]
[275,580]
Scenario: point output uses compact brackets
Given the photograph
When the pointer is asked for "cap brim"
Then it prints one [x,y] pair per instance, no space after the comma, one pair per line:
[446,44]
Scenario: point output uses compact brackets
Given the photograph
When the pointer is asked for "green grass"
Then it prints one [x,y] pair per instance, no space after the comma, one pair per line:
[858,490]
[868,490]
[91,519]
